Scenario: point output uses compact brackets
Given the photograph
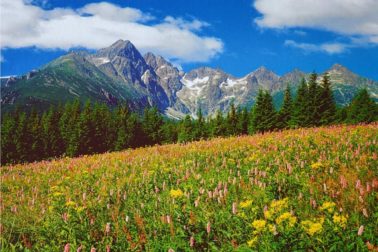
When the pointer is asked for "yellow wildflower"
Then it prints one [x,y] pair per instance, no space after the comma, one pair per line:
[272,229]
[57,194]
[176,193]
[329,206]
[286,217]
[316,165]
[70,203]
[245,204]
[278,205]
[340,220]
[268,214]
[312,228]
[79,209]
[292,221]
[259,225]
[251,243]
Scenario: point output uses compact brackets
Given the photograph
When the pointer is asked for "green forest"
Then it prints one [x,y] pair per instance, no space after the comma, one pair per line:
[76,129]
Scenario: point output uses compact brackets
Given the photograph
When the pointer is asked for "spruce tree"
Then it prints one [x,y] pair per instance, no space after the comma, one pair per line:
[86,130]
[102,128]
[8,141]
[341,114]
[362,108]
[129,132]
[232,121]
[218,125]
[243,118]
[313,98]
[170,131]
[199,126]
[270,115]
[186,130]
[264,115]
[327,106]
[257,113]
[22,138]
[152,123]
[286,111]
[300,115]
[123,139]
[52,139]
[71,129]
[36,133]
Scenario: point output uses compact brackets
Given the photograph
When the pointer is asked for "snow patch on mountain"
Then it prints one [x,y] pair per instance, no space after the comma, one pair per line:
[192,84]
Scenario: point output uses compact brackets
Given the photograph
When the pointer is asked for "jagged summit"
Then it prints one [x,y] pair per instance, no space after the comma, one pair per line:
[119,73]
[121,48]
[338,67]
[122,44]
[155,61]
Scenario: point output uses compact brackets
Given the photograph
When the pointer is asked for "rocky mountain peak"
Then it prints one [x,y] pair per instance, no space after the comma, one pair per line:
[341,74]
[155,61]
[265,77]
[122,44]
[203,72]
[121,48]
[264,73]
[339,68]
[119,72]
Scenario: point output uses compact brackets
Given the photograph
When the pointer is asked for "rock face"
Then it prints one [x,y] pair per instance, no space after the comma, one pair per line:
[124,64]
[169,79]
[119,73]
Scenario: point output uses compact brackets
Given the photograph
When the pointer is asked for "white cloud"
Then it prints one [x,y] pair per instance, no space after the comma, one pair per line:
[330,48]
[98,25]
[352,19]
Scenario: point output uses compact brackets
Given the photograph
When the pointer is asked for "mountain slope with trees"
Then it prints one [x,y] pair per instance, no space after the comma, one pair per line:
[80,129]
[120,74]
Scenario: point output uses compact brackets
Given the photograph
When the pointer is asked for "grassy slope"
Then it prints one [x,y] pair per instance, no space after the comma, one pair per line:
[124,200]
[65,79]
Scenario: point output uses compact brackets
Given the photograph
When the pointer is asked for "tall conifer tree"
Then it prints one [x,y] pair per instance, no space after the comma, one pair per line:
[286,111]
[362,108]
[232,121]
[313,98]
[327,106]
[300,115]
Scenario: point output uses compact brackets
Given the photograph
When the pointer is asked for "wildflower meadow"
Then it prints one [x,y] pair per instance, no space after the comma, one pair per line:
[312,189]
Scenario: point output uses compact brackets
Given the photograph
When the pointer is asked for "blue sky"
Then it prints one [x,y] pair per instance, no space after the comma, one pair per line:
[236,36]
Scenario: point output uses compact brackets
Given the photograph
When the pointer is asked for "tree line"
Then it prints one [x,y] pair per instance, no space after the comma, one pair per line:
[75,129]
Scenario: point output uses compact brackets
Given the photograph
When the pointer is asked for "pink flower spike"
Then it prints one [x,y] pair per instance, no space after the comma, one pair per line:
[67,248]
[107,228]
[191,241]
[234,210]
[360,230]
[208,227]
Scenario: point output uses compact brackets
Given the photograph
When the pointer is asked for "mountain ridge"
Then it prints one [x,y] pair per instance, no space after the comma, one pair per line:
[120,73]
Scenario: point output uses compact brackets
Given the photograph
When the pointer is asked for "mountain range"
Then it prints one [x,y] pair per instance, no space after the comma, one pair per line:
[119,73]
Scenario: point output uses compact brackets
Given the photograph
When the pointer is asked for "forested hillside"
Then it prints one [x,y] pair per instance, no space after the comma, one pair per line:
[76,129]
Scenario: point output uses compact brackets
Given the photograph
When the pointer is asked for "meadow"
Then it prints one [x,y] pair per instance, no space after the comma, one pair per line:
[312,189]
